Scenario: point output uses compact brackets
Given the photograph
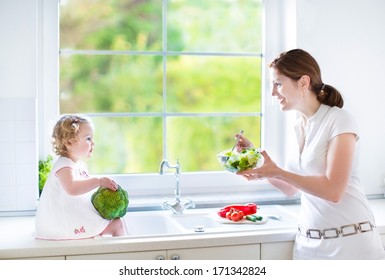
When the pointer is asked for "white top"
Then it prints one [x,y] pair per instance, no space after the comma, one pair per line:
[317,213]
[63,216]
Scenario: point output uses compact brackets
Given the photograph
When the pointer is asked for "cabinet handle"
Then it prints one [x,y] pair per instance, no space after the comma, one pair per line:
[175,257]
[160,258]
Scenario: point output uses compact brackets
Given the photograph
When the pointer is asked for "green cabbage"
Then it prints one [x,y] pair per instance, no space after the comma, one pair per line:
[110,204]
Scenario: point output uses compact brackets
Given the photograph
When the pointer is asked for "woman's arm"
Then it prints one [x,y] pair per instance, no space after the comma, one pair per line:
[330,186]
[279,184]
[284,187]
[77,187]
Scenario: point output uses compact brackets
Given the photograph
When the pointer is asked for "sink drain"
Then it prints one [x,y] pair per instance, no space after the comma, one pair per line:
[199,228]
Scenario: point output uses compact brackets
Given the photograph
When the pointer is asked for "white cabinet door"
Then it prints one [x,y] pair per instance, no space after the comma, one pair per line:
[383,238]
[277,251]
[145,255]
[44,258]
[237,252]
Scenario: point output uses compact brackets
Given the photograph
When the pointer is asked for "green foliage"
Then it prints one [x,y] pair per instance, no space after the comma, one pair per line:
[44,170]
[110,204]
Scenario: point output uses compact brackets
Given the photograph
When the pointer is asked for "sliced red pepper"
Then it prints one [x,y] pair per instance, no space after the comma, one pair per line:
[247,209]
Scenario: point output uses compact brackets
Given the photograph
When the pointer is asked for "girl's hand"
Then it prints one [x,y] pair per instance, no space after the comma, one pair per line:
[268,170]
[108,183]
[243,143]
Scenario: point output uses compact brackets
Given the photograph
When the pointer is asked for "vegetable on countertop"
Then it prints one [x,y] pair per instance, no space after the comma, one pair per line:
[254,218]
[235,215]
[247,209]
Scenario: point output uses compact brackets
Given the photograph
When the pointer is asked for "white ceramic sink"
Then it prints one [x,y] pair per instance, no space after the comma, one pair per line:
[150,224]
[192,220]
[200,221]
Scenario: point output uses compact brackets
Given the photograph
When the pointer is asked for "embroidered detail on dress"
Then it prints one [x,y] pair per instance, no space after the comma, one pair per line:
[80,231]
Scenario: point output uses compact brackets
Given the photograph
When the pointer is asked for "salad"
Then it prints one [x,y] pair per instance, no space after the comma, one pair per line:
[235,161]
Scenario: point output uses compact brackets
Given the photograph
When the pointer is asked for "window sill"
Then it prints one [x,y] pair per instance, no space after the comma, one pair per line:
[152,203]
[206,189]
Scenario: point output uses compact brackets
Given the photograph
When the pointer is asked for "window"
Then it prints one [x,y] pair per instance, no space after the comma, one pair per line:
[169,79]
[162,79]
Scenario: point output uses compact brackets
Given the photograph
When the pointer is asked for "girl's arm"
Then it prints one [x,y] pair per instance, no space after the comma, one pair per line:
[330,186]
[77,187]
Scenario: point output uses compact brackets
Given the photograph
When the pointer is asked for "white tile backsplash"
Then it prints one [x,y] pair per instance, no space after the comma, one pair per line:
[8,199]
[24,111]
[7,153]
[25,174]
[7,131]
[7,109]
[26,197]
[18,154]
[25,152]
[8,175]
[25,131]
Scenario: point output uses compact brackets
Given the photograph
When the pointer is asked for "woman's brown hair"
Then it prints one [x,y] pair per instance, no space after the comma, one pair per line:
[297,63]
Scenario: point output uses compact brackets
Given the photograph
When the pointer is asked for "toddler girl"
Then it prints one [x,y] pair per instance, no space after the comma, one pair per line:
[65,210]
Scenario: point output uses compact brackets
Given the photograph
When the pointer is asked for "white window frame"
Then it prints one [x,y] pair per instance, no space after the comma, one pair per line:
[205,188]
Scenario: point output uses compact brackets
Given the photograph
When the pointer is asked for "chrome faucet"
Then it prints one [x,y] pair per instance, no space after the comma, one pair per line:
[178,207]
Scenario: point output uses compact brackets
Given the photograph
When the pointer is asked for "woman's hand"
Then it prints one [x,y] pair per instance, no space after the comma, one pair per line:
[243,143]
[268,170]
[330,186]
[108,183]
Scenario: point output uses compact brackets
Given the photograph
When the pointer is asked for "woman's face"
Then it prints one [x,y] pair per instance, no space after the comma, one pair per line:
[285,90]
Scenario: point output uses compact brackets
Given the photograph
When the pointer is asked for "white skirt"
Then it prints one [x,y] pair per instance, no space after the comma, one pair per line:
[360,246]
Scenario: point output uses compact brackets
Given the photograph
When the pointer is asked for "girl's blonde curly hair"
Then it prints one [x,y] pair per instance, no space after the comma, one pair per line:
[65,130]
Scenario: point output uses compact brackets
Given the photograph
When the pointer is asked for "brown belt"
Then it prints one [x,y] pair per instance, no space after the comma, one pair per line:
[336,232]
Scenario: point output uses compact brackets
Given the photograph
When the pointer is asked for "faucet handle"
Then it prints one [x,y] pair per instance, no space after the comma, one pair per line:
[165,204]
[189,203]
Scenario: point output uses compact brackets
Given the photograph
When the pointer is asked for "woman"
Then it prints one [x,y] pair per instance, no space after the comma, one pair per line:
[336,221]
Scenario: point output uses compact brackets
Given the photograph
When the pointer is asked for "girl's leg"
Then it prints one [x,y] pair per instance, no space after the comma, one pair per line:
[115,228]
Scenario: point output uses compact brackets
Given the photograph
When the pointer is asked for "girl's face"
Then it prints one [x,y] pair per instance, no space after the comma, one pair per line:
[83,145]
[286,91]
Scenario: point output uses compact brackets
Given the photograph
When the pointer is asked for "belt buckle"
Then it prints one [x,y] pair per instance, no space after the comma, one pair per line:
[367,223]
[332,230]
[317,231]
[349,233]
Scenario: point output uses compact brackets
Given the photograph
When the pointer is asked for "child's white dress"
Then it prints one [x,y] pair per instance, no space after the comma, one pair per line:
[63,216]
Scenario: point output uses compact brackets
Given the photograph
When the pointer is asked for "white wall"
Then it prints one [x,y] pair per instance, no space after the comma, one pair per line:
[18,154]
[18,91]
[18,48]
[347,39]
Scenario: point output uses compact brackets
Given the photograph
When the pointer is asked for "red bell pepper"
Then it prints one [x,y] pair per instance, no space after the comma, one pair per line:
[247,209]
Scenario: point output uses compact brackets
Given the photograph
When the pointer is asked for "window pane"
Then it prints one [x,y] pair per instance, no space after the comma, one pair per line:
[196,141]
[214,26]
[127,145]
[110,83]
[156,102]
[111,24]
[213,84]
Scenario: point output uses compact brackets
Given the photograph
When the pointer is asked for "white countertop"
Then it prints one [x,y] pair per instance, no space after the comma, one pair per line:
[17,238]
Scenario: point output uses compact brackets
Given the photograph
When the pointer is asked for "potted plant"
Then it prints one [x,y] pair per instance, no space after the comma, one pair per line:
[44,170]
